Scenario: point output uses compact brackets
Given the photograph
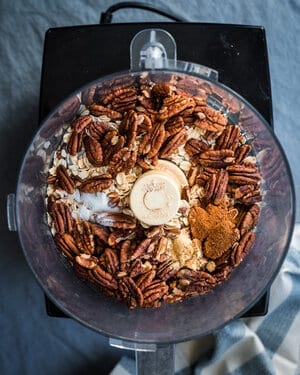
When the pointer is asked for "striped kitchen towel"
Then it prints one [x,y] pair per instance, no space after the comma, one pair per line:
[264,345]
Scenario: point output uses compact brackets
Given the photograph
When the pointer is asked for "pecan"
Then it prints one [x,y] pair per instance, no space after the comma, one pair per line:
[243,174]
[84,237]
[121,99]
[155,291]
[99,110]
[105,279]
[141,249]
[96,184]
[114,220]
[210,187]
[157,138]
[128,127]
[119,235]
[193,173]
[74,144]
[111,144]
[97,129]
[100,232]
[113,199]
[195,146]
[229,139]
[241,153]
[172,143]
[158,93]
[81,123]
[131,292]
[144,123]
[86,261]
[210,120]
[145,279]
[64,181]
[221,186]
[216,158]
[247,194]
[125,252]
[136,268]
[161,248]
[174,125]
[61,216]
[250,219]
[67,244]
[173,105]
[123,161]
[93,150]
[112,260]
[165,270]
[242,248]
[223,274]
[155,232]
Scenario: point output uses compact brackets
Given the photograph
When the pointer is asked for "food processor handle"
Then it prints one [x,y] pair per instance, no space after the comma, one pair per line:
[155,49]
[150,359]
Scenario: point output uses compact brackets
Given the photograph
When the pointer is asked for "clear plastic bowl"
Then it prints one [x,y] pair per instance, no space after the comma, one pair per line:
[179,321]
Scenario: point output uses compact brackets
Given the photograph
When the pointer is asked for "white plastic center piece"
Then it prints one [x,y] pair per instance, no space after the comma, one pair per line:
[155,196]
[154,200]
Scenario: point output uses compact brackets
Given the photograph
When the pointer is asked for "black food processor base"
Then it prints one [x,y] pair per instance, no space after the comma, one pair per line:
[74,56]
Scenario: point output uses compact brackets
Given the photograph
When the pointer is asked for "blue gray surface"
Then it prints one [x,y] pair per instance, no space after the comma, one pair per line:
[30,341]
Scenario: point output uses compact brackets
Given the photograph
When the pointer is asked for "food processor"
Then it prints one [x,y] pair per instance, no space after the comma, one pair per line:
[152,333]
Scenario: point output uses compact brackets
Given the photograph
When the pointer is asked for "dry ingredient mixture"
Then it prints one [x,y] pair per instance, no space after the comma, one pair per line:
[118,136]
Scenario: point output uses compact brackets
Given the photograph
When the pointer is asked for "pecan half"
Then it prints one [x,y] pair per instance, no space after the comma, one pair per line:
[93,151]
[165,270]
[64,181]
[100,232]
[67,244]
[216,158]
[123,161]
[99,110]
[96,184]
[173,105]
[242,152]
[172,143]
[247,194]
[210,120]
[112,260]
[121,99]
[243,248]
[61,216]
[158,93]
[229,139]
[86,261]
[174,125]
[81,123]
[74,144]
[114,220]
[128,127]
[195,146]
[105,279]
[131,293]
[243,174]
[250,219]
[157,138]
[155,291]
[111,144]
[141,249]
[84,237]
[97,129]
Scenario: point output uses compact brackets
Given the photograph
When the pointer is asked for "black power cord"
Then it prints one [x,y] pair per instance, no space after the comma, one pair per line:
[106,17]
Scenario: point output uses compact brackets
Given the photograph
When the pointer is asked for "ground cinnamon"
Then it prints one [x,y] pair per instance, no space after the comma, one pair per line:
[214,226]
